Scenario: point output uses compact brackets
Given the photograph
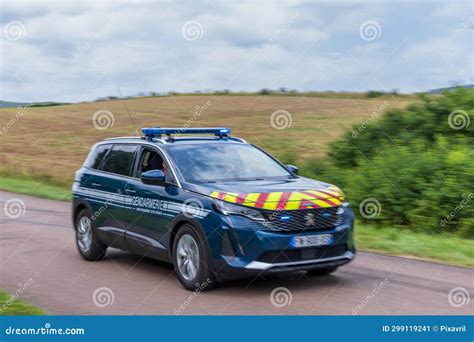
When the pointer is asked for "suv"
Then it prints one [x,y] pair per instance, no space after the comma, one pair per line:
[214,206]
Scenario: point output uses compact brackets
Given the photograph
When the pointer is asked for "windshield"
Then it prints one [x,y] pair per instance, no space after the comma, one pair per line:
[225,162]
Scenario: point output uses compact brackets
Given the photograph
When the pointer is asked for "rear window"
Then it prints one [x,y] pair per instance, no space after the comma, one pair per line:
[119,160]
[95,159]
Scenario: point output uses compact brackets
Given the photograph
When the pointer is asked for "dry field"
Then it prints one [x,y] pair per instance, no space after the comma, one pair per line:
[53,141]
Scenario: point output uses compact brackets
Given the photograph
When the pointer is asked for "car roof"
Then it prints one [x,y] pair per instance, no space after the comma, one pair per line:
[186,135]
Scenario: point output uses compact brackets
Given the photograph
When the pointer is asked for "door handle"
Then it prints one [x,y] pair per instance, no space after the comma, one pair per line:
[96,185]
[130,191]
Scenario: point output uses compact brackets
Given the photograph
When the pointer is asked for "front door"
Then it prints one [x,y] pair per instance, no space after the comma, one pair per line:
[148,219]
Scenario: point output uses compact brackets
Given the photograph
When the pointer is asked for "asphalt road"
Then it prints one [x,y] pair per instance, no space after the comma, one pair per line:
[39,262]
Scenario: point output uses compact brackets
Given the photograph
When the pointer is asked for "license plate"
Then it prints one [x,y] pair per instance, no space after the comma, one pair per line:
[312,240]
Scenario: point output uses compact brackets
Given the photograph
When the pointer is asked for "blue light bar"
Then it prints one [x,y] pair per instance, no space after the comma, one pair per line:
[158,131]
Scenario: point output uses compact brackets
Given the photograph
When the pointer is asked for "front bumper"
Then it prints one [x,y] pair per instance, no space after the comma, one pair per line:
[301,265]
[247,249]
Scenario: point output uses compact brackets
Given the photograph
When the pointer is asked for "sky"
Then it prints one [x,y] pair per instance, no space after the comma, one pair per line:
[71,52]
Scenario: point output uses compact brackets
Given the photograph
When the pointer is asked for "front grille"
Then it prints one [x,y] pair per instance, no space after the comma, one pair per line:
[293,255]
[303,220]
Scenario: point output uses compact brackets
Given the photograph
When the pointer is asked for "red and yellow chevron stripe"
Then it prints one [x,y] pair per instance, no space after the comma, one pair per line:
[294,200]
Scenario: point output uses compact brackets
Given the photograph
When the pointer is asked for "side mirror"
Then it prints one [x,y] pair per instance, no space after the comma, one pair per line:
[292,169]
[153,177]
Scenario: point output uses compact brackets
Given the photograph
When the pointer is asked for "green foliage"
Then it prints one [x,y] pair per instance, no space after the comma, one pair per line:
[374,93]
[418,167]
[35,186]
[444,247]
[222,92]
[12,306]
[265,91]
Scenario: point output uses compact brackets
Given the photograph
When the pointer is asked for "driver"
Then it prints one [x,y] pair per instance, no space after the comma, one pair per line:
[165,169]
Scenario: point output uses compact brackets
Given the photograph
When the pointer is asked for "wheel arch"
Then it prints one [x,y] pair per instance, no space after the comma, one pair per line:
[176,224]
[78,206]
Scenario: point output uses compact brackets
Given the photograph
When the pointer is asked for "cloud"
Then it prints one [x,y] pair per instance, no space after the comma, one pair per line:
[77,52]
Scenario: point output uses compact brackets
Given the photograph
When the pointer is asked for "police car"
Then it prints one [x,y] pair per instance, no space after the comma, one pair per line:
[213,205]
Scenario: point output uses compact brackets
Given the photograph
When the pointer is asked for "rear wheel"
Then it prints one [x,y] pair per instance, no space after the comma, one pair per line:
[322,271]
[88,243]
[190,260]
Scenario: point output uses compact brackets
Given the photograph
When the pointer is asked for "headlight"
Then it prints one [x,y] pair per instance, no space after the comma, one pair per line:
[342,208]
[226,208]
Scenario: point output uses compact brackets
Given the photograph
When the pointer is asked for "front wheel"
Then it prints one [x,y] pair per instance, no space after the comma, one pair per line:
[190,260]
[87,241]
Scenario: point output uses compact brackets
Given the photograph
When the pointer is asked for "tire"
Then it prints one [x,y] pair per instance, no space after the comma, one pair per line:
[190,260]
[88,243]
[322,271]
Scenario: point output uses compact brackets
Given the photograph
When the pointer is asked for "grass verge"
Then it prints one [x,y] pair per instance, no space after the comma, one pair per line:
[445,248]
[34,187]
[13,306]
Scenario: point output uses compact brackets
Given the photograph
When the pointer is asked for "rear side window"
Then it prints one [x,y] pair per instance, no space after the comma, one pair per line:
[120,159]
[95,159]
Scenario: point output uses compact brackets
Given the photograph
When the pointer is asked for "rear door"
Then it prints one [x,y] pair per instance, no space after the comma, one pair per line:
[92,188]
[108,185]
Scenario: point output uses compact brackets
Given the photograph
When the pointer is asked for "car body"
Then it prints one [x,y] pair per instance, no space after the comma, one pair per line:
[239,210]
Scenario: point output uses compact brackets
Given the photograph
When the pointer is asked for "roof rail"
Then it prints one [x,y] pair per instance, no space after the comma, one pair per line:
[118,138]
[238,139]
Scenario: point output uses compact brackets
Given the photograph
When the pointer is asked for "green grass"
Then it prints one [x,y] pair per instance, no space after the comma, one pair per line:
[445,248]
[9,306]
[35,187]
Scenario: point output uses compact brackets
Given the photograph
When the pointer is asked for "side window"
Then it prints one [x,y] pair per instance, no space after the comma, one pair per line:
[95,159]
[120,159]
[149,160]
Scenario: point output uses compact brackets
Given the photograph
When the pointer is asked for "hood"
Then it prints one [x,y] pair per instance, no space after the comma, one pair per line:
[288,194]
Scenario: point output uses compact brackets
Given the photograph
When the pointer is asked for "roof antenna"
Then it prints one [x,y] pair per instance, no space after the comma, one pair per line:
[129,114]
